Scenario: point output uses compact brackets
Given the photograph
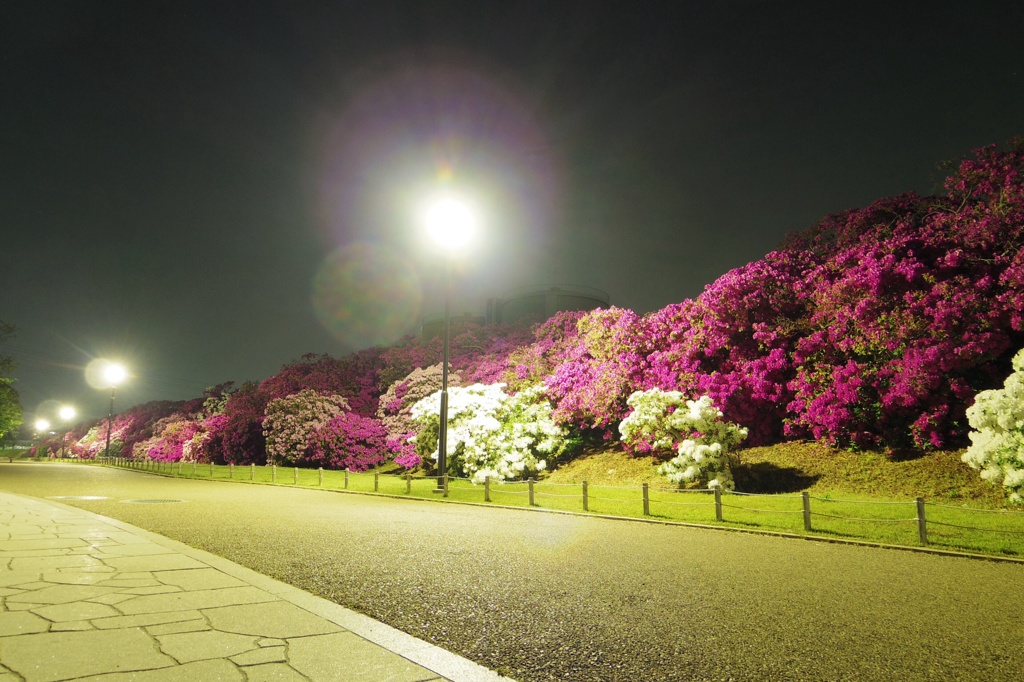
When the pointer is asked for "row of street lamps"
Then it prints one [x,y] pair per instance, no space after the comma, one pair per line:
[113,375]
[451,224]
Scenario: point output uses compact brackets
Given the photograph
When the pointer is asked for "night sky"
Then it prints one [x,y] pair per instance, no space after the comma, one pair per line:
[208,190]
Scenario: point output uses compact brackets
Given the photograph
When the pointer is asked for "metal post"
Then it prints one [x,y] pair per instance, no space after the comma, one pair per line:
[806,496]
[586,502]
[445,482]
[487,488]
[252,471]
[110,419]
[408,484]
[295,479]
[231,470]
[442,436]
[211,469]
[320,470]
[647,500]
[346,479]
[922,525]
[376,482]
[273,475]
[718,504]
[530,483]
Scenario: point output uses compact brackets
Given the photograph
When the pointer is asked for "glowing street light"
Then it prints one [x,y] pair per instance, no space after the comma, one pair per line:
[451,225]
[42,427]
[114,374]
[66,414]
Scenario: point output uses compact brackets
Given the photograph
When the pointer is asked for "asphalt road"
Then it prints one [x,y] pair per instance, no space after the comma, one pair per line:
[543,596]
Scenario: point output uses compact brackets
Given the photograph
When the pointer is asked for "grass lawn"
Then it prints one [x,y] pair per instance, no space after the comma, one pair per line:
[857,496]
[14,453]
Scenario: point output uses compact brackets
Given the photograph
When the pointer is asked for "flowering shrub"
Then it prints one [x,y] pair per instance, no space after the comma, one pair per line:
[395,406]
[491,433]
[552,340]
[590,384]
[290,421]
[997,439]
[347,441]
[733,343]
[236,434]
[664,422]
[182,435]
[128,428]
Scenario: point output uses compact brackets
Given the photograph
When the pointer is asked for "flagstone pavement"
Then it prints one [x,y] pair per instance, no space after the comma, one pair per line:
[85,597]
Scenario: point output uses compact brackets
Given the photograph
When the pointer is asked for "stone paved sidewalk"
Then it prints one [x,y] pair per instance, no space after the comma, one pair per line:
[84,597]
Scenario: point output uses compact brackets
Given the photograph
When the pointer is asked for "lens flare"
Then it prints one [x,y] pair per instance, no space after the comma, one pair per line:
[364,294]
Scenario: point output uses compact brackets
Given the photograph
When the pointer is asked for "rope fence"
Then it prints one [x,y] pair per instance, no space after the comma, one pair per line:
[636,501]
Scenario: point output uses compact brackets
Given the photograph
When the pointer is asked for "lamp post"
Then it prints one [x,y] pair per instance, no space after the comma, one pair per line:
[114,374]
[42,431]
[66,414]
[450,223]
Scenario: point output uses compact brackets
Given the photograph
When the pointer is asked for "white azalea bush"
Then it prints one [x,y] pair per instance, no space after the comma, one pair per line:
[665,422]
[997,436]
[491,433]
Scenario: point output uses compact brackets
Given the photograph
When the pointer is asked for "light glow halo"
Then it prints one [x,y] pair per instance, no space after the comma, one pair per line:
[102,373]
[115,373]
[450,222]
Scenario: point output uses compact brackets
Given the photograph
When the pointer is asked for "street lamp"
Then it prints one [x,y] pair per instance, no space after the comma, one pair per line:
[66,414]
[450,224]
[42,431]
[114,374]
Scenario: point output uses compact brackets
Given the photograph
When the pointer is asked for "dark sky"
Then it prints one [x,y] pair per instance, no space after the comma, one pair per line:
[207,190]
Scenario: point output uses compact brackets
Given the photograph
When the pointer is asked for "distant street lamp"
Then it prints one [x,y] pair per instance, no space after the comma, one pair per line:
[42,431]
[450,224]
[66,414]
[42,427]
[114,375]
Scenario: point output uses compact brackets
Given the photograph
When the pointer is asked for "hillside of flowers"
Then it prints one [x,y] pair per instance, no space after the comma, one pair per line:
[875,328]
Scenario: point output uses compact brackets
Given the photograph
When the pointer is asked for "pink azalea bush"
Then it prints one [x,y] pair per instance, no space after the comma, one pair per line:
[592,378]
[292,420]
[347,441]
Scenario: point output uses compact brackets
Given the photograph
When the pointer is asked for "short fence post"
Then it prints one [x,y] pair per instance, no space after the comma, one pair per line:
[231,470]
[211,469]
[806,497]
[446,485]
[252,471]
[346,479]
[922,525]
[647,501]
[530,483]
[295,480]
[194,465]
[586,502]
[320,470]
[718,504]
[273,474]
[376,481]
[408,484]
[487,488]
